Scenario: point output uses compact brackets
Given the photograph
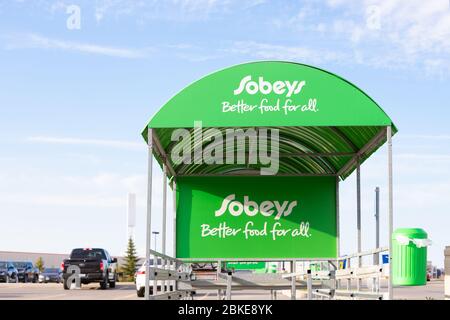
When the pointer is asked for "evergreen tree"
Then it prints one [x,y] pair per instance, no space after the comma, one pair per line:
[40,264]
[131,260]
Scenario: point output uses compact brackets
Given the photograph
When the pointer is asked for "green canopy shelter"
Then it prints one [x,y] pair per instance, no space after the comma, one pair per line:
[327,126]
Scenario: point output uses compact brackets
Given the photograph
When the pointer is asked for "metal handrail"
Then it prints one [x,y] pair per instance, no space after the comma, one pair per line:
[166,269]
[363,253]
[348,274]
[183,267]
[163,256]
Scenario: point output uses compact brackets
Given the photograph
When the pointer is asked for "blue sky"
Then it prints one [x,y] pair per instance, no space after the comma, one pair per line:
[73,103]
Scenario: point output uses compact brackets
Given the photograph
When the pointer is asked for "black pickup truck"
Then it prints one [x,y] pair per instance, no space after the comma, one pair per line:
[90,265]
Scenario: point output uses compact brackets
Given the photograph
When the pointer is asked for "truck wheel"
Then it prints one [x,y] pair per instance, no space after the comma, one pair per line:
[112,284]
[141,292]
[104,283]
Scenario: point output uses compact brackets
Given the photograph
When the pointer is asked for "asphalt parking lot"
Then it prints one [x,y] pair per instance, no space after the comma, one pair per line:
[434,290]
[123,291]
[53,291]
[126,291]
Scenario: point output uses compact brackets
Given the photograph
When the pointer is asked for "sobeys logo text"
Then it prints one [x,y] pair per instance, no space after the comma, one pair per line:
[251,208]
[265,87]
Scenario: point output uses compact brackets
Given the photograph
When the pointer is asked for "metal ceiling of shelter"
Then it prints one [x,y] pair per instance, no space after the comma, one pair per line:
[343,127]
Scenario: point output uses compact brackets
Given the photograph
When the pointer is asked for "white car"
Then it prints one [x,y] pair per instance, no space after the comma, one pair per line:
[140,282]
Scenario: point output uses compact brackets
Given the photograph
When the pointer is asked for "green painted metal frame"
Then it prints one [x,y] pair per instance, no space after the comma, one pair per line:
[303,151]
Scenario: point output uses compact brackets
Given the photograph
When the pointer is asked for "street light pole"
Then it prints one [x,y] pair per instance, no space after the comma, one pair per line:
[377,224]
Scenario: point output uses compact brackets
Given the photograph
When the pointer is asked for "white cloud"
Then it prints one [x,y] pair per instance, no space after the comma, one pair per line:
[140,9]
[419,31]
[422,156]
[58,6]
[269,51]
[438,137]
[102,190]
[184,51]
[87,142]
[394,34]
[36,41]
[179,10]
[92,201]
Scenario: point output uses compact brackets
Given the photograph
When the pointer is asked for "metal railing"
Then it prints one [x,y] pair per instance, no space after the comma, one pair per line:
[356,274]
[323,290]
[167,273]
[164,275]
[293,276]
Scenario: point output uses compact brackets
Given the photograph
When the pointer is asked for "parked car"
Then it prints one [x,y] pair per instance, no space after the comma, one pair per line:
[50,275]
[93,264]
[8,272]
[136,270]
[140,282]
[26,271]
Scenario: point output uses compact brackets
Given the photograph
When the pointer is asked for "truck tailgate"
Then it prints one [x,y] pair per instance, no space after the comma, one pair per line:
[85,265]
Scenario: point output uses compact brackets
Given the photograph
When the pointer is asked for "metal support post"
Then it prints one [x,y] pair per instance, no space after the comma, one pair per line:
[155,282]
[309,284]
[358,216]
[164,210]
[293,282]
[229,283]
[164,222]
[376,256]
[358,208]
[338,237]
[174,189]
[149,212]
[391,210]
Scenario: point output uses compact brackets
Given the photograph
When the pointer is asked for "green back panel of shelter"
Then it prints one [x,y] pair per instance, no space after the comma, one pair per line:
[256,217]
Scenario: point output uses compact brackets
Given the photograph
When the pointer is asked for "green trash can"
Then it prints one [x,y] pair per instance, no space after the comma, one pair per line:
[409,257]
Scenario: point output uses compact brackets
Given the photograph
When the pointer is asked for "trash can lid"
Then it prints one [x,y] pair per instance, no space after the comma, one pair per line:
[412,233]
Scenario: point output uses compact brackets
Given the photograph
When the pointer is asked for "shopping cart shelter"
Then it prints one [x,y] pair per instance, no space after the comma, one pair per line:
[236,199]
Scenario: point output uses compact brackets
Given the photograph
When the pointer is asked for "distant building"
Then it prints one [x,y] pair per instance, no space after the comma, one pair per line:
[51,260]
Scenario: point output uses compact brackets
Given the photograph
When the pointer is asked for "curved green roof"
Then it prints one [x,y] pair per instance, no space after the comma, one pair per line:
[326,123]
